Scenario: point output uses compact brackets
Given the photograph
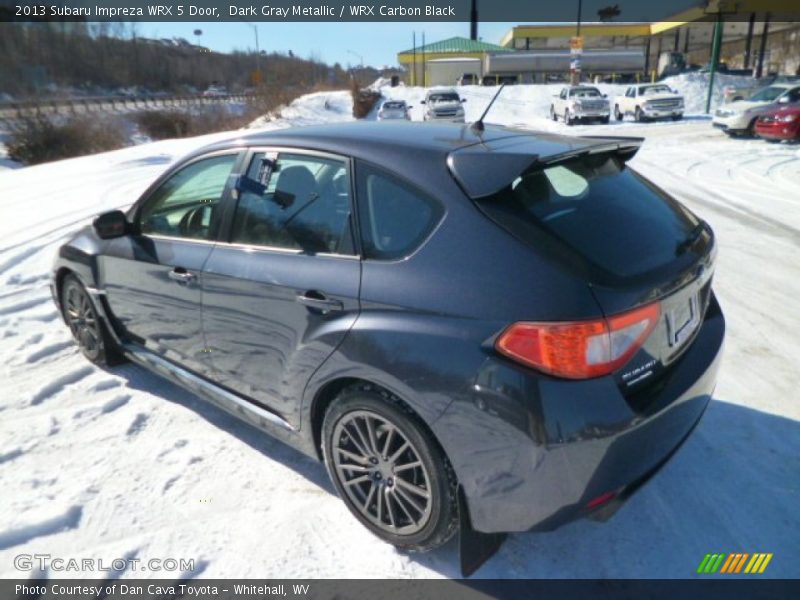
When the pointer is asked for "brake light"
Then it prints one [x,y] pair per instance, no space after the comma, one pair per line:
[580,349]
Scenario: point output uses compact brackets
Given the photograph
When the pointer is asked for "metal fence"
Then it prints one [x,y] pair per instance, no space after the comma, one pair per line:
[13,111]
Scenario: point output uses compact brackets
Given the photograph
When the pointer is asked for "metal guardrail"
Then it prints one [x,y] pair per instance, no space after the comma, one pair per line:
[11,111]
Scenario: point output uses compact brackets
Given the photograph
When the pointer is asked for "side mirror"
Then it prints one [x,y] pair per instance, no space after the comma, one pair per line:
[783,100]
[463,100]
[112,224]
[605,95]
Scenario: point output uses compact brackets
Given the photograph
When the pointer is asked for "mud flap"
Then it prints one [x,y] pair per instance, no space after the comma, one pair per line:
[474,547]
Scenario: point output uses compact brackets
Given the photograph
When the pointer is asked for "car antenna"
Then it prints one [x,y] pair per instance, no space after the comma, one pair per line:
[477,126]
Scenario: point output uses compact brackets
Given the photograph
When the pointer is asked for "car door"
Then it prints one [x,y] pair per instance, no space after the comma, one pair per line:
[153,277]
[282,291]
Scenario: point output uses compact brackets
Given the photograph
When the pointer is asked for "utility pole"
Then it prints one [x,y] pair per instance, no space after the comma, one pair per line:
[576,49]
[715,49]
[763,48]
[414,59]
[424,82]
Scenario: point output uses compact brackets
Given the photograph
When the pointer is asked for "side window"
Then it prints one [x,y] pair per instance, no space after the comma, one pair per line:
[186,204]
[794,95]
[563,94]
[305,206]
[394,217]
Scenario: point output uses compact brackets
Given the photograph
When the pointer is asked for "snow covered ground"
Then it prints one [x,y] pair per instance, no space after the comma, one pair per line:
[117,463]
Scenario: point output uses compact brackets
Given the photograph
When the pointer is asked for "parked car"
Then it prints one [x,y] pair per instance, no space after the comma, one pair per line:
[649,101]
[579,103]
[215,91]
[443,104]
[499,328]
[780,124]
[468,79]
[739,118]
[394,109]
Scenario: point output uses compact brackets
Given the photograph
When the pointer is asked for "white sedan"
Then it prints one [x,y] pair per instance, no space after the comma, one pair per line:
[394,109]
[739,118]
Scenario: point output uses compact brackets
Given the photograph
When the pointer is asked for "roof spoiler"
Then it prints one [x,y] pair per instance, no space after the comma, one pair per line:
[483,173]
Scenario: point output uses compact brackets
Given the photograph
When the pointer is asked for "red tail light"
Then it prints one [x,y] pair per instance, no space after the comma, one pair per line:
[580,349]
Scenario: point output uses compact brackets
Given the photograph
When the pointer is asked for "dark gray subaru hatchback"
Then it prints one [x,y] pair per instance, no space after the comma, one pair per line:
[479,329]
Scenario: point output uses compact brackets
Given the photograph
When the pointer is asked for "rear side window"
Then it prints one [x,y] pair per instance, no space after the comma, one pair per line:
[304,205]
[395,218]
[599,209]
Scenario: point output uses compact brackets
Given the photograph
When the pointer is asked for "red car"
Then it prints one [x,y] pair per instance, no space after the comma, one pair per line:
[780,124]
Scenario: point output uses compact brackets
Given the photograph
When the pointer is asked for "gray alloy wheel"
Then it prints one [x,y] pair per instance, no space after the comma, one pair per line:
[389,470]
[82,319]
[86,326]
[381,472]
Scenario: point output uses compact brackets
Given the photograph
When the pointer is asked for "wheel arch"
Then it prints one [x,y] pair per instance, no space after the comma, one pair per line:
[330,390]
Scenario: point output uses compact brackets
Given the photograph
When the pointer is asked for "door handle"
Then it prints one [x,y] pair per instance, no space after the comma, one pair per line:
[314,299]
[181,275]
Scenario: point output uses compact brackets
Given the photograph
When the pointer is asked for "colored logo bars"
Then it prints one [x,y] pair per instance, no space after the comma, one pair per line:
[734,563]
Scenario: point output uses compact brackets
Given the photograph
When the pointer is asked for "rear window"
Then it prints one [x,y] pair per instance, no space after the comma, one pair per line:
[607,214]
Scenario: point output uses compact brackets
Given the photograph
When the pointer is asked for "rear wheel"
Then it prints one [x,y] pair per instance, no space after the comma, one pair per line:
[553,113]
[388,470]
[86,326]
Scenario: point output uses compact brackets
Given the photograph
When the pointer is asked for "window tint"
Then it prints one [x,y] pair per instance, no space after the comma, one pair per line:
[305,206]
[185,205]
[597,207]
[394,217]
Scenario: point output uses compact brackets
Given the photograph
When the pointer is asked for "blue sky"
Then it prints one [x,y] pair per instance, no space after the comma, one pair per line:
[344,43]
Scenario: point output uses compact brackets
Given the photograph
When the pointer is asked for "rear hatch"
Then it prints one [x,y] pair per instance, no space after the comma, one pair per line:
[576,202]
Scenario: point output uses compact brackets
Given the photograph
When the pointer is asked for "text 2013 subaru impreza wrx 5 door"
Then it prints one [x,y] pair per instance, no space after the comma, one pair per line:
[510,322]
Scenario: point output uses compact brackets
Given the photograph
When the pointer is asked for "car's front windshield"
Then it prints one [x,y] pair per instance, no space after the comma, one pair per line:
[650,90]
[586,93]
[443,98]
[768,94]
[393,105]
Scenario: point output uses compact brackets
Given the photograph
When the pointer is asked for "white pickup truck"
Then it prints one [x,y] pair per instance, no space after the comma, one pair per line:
[580,102]
[649,101]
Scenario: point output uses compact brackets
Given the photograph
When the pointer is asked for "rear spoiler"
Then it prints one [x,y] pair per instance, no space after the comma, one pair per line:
[481,170]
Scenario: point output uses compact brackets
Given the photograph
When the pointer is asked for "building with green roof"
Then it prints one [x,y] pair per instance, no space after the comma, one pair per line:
[434,63]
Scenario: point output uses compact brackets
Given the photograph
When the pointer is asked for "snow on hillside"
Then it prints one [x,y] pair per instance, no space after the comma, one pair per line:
[108,463]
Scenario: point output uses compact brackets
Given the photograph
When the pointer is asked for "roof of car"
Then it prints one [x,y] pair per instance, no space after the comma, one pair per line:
[359,138]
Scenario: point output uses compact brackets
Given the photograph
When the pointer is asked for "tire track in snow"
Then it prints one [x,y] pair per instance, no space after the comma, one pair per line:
[66,521]
[59,383]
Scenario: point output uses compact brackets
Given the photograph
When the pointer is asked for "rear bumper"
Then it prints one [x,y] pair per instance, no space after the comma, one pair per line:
[541,449]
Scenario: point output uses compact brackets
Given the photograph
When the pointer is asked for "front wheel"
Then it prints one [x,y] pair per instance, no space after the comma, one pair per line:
[567,119]
[639,115]
[388,470]
[617,113]
[86,326]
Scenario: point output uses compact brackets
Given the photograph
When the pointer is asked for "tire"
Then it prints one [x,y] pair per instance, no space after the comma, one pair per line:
[364,425]
[553,114]
[639,115]
[751,129]
[567,119]
[87,327]
[605,120]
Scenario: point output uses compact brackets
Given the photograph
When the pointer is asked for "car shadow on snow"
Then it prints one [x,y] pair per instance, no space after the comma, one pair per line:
[733,487]
[140,379]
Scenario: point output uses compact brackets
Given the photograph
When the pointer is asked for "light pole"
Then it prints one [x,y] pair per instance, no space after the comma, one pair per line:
[358,56]
[257,75]
[575,57]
